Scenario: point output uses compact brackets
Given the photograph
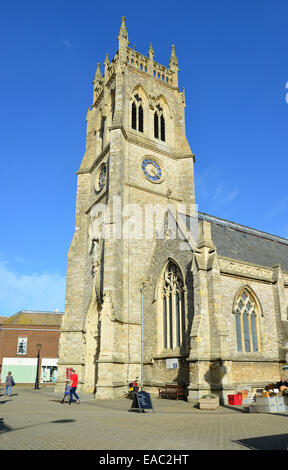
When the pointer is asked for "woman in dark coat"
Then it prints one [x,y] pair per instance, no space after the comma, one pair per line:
[9,382]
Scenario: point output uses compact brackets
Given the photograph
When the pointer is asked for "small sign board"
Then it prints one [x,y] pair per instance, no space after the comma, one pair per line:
[172,363]
[141,402]
[68,372]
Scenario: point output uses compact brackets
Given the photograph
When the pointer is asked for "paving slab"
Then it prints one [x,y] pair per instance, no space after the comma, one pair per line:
[36,420]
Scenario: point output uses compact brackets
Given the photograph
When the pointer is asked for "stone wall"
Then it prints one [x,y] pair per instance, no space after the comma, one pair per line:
[101,332]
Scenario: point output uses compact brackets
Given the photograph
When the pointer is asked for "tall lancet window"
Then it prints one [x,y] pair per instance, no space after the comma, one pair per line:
[137,114]
[112,103]
[156,125]
[134,116]
[102,132]
[172,323]
[247,322]
[140,118]
[162,126]
[159,123]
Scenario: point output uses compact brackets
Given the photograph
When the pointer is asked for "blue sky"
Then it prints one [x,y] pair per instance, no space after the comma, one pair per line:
[234,68]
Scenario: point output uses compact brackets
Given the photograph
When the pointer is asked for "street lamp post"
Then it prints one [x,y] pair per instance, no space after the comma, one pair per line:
[142,336]
[38,361]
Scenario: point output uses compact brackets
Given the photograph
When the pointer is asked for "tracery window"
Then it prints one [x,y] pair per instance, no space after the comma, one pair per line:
[159,123]
[173,308]
[247,322]
[137,115]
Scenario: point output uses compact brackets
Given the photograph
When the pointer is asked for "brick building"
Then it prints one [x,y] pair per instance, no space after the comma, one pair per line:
[19,336]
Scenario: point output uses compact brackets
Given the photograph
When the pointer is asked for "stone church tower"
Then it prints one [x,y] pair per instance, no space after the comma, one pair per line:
[214,299]
[136,154]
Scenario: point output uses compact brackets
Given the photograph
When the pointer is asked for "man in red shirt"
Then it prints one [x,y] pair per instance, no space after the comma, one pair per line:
[74,383]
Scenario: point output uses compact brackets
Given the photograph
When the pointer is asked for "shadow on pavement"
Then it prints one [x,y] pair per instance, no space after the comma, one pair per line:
[3,427]
[59,400]
[236,408]
[12,395]
[64,421]
[274,442]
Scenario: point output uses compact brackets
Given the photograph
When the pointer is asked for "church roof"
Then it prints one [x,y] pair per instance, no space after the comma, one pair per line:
[246,244]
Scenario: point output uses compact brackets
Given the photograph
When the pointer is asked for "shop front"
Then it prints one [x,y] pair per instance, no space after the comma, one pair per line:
[23,369]
[49,370]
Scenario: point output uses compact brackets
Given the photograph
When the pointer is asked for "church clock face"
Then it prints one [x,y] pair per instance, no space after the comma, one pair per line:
[101,177]
[152,170]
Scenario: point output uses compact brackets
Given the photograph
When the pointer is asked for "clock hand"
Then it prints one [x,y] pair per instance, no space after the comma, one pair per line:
[154,170]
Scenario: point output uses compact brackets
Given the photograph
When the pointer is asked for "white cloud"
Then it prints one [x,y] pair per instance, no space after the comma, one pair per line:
[36,291]
[212,187]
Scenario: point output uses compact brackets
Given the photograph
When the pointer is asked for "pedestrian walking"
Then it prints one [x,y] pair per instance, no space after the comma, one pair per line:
[66,392]
[9,382]
[74,384]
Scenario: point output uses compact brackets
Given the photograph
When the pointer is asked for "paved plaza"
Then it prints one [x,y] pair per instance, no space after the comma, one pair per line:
[36,420]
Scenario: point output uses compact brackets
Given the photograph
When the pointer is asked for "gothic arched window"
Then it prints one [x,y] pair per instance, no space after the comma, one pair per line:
[172,308]
[134,116]
[162,126]
[137,115]
[247,322]
[140,118]
[156,125]
[102,131]
[159,123]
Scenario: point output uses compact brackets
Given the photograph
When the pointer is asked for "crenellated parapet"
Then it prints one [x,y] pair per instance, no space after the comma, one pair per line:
[129,57]
[150,66]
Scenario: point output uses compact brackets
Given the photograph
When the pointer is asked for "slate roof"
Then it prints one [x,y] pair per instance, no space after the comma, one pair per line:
[246,244]
[26,317]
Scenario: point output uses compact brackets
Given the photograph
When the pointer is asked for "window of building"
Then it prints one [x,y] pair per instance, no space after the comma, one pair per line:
[162,126]
[137,114]
[141,118]
[22,346]
[112,103]
[102,132]
[156,125]
[173,308]
[159,123]
[134,116]
[247,322]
